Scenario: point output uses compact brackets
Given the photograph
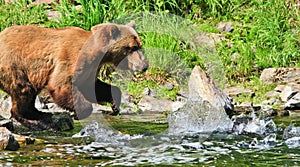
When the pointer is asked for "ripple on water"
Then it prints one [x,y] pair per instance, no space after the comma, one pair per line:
[255,138]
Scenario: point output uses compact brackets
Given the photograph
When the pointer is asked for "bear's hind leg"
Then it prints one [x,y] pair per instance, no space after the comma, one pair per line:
[23,111]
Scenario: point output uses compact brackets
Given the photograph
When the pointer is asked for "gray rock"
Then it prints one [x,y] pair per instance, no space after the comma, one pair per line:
[272,101]
[7,123]
[246,107]
[288,92]
[54,15]
[291,131]
[47,2]
[200,85]
[129,110]
[292,75]
[127,104]
[7,140]
[182,94]
[236,91]
[225,26]
[168,86]
[127,98]
[39,103]
[153,104]
[268,75]
[5,106]
[269,111]
[279,88]
[208,40]
[149,91]
[272,94]
[293,103]
[177,105]
[284,75]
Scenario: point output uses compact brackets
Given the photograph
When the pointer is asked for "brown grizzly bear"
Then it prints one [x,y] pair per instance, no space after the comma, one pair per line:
[65,61]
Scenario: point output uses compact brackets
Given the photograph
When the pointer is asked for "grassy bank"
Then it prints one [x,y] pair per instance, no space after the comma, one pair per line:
[265,34]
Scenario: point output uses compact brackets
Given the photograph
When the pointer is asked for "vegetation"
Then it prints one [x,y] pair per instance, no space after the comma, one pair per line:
[265,34]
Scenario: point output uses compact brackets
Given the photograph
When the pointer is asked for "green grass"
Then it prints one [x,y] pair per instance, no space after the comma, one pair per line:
[19,13]
[2,94]
[266,34]
[259,88]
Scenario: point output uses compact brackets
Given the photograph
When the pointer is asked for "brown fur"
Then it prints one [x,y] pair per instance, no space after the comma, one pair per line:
[65,62]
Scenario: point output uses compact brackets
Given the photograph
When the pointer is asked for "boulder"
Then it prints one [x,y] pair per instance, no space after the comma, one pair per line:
[293,103]
[288,92]
[201,85]
[5,106]
[206,108]
[283,75]
[7,140]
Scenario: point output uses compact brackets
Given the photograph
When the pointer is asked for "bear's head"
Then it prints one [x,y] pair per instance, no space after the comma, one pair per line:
[124,49]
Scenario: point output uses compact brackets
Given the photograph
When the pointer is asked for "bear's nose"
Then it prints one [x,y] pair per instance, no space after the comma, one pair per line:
[145,67]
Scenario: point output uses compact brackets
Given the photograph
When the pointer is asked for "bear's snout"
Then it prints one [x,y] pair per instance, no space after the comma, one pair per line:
[145,67]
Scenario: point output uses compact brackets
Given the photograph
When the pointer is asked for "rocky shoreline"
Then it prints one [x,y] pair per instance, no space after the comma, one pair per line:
[280,101]
[285,96]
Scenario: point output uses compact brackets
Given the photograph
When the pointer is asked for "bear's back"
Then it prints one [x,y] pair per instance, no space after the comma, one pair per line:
[30,35]
[36,42]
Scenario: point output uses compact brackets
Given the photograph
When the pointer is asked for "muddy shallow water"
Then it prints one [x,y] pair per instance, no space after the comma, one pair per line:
[144,141]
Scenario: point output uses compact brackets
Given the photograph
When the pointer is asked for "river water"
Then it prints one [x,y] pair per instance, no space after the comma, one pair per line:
[252,141]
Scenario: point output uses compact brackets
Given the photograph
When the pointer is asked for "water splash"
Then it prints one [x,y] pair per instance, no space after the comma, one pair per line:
[293,142]
[291,135]
[103,133]
[198,116]
[291,131]
[243,124]
[268,142]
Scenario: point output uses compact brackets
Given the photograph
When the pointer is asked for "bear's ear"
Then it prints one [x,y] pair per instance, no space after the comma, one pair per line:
[131,24]
[108,30]
[96,27]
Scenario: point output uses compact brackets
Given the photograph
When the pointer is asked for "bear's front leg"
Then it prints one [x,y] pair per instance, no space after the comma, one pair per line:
[82,107]
[108,93]
[70,98]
